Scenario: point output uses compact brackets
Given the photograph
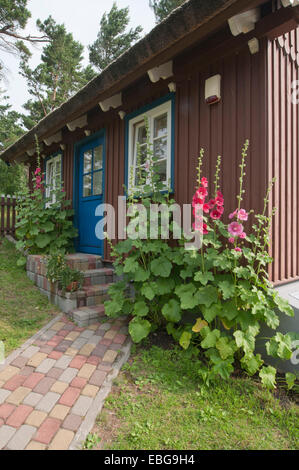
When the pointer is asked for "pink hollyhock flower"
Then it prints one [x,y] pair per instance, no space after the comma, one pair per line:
[243,235]
[205,229]
[220,195]
[37,171]
[206,208]
[212,203]
[242,215]
[204,182]
[238,249]
[202,192]
[235,229]
[231,240]
[197,201]
[233,214]
[216,214]
[38,180]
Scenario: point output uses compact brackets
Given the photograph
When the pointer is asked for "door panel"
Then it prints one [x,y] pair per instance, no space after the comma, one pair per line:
[91,194]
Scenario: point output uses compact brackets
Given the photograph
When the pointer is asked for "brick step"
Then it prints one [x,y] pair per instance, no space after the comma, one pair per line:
[85,316]
[84,262]
[93,277]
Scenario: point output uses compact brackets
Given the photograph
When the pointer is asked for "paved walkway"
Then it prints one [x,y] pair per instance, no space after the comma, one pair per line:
[53,388]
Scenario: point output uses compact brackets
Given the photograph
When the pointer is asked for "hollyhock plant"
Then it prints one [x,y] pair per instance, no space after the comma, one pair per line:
[235,229]
[242,215]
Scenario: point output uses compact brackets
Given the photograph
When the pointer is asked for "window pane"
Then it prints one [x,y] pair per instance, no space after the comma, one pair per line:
[161,170]
[86,185]
[87,161]
[141,135]
[98,158]
[97,183]
[160,148]
[160,126]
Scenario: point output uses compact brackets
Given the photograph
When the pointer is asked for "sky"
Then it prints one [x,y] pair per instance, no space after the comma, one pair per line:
[82,18]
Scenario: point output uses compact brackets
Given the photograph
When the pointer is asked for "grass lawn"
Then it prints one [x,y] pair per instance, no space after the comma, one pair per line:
[157,403]
[23,309]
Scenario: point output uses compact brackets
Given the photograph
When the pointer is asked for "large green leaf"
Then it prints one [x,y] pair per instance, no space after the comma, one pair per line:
[172,311]
[203,278]
[47,226]
[229,310]
[224,369]
[148,291]
[280,346]
[211,312]
[161,267]
[140,309]
[139,328]
[290,380]
[252,363]
[43,240]
[245,340]
[186,294]
[130,265]
[225,348]
[268,377]
[141,275]
[210,337]
[185,339]
[227,288]
[206,296]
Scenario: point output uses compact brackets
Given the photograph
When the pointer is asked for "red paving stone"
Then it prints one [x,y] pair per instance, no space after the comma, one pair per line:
[15,382]
[6,410]
[18,417]
[33,379]
[42,394]
[47,430]
[70,396]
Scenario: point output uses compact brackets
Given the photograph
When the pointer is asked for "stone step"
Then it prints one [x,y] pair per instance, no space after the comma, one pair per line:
[85,316]
[93,277]
[84,262]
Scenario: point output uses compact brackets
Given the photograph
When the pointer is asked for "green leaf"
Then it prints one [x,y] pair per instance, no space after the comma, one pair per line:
[172,311]
[245,340]
[203,278]
[229,310]
[47,226]
[148,291]
[268,377]
[209,313]
[186,294]
[140,309]
[290,380]
[227,288]
[130,265]
[185,339]
[112,308]
[224,346]
[283,305]
[139,329]
[224,369]
[252,363]
[207,296]
[42,240]
[164,286]
[280,346]
[161,267]
[141,275]
[210,338]
[21,261]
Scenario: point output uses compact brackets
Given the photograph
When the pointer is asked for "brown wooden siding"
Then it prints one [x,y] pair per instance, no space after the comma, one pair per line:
[283,153]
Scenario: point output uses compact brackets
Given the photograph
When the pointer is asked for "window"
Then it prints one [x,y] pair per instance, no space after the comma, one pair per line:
[93,172]
[160,129]
[53,177]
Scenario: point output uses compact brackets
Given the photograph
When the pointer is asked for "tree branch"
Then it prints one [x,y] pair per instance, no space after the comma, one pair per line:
[24,38]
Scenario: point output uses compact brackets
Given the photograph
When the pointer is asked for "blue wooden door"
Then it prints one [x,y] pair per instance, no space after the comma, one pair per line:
[91,195]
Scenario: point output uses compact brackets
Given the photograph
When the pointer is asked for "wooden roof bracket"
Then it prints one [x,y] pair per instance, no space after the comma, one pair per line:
[244,22]
[53,139]
[77,123]
[113,102]
[163,71]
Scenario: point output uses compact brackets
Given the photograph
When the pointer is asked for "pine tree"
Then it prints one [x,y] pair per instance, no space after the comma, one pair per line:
[163,8]
[58,76]
[13,19]
[112,39]
[10,124]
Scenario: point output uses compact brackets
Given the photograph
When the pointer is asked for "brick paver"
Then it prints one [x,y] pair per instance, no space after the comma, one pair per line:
[47,391]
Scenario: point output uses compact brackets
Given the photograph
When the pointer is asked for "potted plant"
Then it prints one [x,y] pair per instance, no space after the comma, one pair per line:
[69,279]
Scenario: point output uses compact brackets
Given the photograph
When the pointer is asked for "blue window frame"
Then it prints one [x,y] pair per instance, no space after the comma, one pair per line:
[160,116]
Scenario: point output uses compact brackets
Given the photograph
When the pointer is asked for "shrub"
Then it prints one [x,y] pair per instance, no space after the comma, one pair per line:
[223,286]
